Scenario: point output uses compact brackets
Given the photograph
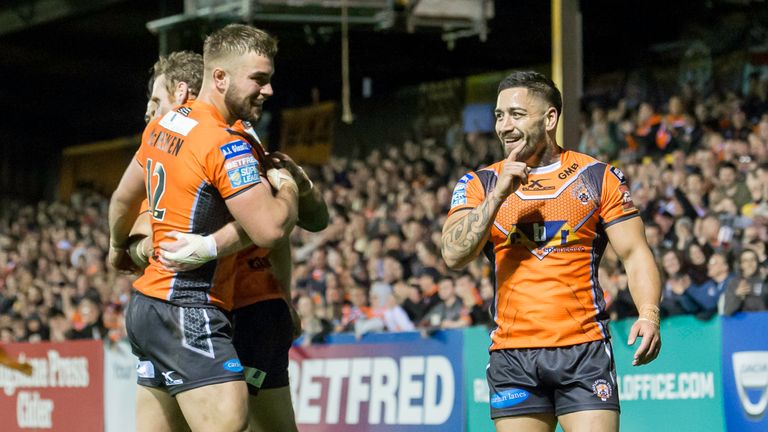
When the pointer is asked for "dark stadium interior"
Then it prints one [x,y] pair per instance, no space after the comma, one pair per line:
[59,74]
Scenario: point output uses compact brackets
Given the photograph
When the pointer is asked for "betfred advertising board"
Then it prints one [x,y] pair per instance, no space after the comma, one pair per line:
[64,392]
[380,387]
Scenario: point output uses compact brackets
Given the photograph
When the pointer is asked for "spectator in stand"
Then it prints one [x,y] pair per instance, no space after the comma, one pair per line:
[702,299]
[392,315]
[597,140]
[413,304]
[749,291]
[729,187]
[466,290]
[738,129]
[675,282]
[449,311]
[314,329]
[357,310]
[647,124]
[428,277]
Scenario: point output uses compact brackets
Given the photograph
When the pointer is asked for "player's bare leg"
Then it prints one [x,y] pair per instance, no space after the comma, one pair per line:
[271,410]
[528,423]
[590,421]
[217,407]
[157,411]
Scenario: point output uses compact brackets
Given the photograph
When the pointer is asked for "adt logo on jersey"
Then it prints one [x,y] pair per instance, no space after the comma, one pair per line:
[508,398]
[750,370]
[541,238]
[233,365]
[169,380]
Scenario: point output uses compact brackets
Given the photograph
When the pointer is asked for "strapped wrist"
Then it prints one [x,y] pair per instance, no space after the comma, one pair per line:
[650,312]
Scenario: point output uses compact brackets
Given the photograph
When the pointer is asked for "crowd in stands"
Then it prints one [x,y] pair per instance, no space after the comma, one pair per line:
[697,167]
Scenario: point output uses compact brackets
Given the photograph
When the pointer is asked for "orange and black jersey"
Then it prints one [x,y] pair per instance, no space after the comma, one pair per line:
[546,244]
[192,165]
[255,280]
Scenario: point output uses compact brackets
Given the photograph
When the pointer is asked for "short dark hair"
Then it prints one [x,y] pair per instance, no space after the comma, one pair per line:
[535,83]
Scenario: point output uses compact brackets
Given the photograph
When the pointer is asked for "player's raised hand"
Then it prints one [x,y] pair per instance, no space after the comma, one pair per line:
[282,160]
[513,174]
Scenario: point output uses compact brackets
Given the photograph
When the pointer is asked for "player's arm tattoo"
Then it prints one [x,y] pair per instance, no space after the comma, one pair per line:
[463,239]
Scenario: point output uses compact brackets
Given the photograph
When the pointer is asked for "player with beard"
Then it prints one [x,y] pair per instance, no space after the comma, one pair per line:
[264,319]
[198,176]
[543,217]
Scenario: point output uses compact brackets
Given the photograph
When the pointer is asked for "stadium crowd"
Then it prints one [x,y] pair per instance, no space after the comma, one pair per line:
[697,166]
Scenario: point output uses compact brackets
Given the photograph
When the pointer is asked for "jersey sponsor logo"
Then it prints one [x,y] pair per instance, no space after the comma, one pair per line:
[185,111]
[240,162]
[602,389]
[543,238]
[564,174]
[170,380]
[536,186]
[619,174]
[145,369]
[242,168]
[508,398]
[627,205]
[233,365]
[178,123]
[235,149]
[460,191]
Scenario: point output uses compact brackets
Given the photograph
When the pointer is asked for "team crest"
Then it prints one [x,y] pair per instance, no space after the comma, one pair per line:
[602,389]
[582,194]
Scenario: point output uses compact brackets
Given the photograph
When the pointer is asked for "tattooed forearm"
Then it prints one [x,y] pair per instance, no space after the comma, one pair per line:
[464,237]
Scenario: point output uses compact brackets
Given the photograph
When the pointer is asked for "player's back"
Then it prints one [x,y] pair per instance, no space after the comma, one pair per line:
[192,164]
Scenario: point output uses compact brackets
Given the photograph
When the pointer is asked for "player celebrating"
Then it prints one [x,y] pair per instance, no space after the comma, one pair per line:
[197,174]
[543,217]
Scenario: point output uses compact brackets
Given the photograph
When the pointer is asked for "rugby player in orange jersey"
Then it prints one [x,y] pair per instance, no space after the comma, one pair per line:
[264,318]
[198,176]
[543,217]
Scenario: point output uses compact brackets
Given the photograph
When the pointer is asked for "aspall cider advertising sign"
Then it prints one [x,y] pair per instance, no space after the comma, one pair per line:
[63,393]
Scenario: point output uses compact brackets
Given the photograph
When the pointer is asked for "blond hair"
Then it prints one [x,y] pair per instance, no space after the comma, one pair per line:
[238,39]
[179,66]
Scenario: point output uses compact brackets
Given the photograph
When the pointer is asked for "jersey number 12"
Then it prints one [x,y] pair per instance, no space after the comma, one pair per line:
[154,196]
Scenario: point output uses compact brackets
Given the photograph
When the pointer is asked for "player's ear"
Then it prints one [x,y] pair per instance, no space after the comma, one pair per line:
[182,93]
[221,79]
[551,117]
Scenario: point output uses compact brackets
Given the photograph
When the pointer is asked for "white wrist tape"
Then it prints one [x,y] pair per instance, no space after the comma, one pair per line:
[278,179]
[197,250]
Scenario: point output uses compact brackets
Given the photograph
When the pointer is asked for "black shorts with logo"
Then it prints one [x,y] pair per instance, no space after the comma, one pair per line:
[263,337]
[553,380]
[180,348]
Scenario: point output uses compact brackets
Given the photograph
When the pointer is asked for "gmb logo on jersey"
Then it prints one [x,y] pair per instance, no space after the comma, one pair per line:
[543,238]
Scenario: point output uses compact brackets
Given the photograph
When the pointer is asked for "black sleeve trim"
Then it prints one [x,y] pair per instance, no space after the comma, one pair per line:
[241,191]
